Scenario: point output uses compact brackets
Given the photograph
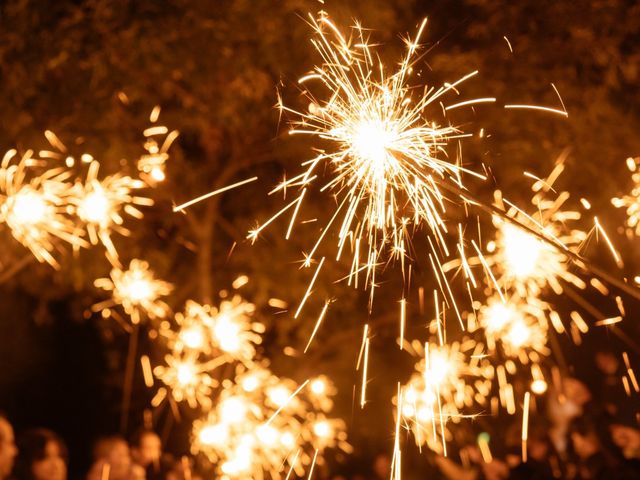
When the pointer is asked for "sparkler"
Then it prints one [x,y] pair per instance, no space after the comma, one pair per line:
[439,391]
[137,290]
[253,421]
[34,207]
[387,158]
[188,379]
[227,330]
[528,264]
[100,204]
[45,209]
[519,326]
[237,437]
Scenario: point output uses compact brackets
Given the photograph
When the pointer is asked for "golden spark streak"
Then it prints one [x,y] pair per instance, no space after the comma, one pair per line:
[525,425]
[365,335]
[295,214]
[403,319]
[287,402]
[634,381]
[106,469]
[365,367]
[470,102]
[155,113]
[508,43]
[559,97]
[608,321]
[309,288]
[147,373]
[151,131]
[485,451]
[182,206]
[615,254]
[538,107]
[317,326]
[253,234]
[313,463]
[292,464]
[396,469]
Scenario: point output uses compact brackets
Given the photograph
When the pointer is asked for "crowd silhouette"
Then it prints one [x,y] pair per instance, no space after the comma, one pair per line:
[578,432]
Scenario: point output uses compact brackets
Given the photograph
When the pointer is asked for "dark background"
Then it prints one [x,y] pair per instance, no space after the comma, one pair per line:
[214,68]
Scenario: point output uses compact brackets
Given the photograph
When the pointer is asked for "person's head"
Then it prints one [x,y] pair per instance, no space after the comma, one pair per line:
[627,439]
[576,391]
[146,448]
[114,451]
[538,445]
[607,362]
[585,441]
[495,470]
[382,465]
[567,404]
[8,450]
[43,456]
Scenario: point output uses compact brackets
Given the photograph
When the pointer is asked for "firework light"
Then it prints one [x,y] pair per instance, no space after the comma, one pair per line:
[137,290]
[152,164]
[445,383]
[100,204]
[387,159]
[34,206]
[631,201]
[260,428]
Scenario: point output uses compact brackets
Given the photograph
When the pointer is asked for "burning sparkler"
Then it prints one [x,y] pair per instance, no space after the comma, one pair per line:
[527,263]
[137,290]
[258,427]
[100,204]
[34,206]
[520,326]
[387,158]
[444,384]
[188,379]
[226,330]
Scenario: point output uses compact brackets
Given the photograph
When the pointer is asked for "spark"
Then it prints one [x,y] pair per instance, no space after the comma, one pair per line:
[365,335]
[317,325]
[100,204]
[403,319]
[470,102]
[313,463]
[188,379]
[437,392]
[152,164]
[284,404]
[608,321]
[365,367]
[538,107]
[518,325]
[508,43]
[34,206]
[307,294]
[182,206]
[147,372]
[525,425]
[615,254]
[527,263]
[235,438]
[137,290]
[485,451]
